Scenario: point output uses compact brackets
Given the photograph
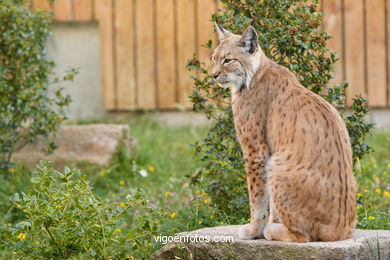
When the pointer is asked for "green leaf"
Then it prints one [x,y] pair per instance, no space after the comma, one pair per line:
[16,197]
[35,180]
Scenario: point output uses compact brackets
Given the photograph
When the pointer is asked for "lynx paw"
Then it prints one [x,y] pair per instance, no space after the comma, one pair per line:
[268,231]
[277,231]
[249,231]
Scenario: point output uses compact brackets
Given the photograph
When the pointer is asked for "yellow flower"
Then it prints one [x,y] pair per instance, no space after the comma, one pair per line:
[207,201]
[365,190]
[22,236]
[122,183]
[117,230]
[151,168]
[58,206]
[122,205]
[388,166]
[371,217]
[378,191]
[12,170]
[207,172]
[135,243]
[102,173]
[236,189]
[132,257]
[198,191]
[199,222]
[359,194]
[249,219]
[9,224]
[359,206]
[167,193]
[203,194]
[384,172]
[386,193]
[173,215]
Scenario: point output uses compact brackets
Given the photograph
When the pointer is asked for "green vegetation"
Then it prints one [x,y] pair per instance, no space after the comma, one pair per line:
[373,177]
[165,154]
[64,218]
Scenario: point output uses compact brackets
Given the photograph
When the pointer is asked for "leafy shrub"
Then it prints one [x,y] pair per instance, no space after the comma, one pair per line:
[290,34]
[65,219]
[26,109]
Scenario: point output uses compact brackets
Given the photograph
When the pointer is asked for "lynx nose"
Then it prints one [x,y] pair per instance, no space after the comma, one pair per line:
[215,75]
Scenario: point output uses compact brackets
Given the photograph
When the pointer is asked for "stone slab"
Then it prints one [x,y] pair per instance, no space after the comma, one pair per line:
[94,143]
[365,244]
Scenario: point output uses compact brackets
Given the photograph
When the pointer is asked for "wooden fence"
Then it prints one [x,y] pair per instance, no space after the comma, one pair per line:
[145,46]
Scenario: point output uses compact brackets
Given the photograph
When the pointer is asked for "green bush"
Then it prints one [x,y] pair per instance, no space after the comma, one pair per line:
[290,34]
[26,109]
[64,219]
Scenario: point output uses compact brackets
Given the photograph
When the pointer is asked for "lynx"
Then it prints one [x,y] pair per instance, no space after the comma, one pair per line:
[295,144]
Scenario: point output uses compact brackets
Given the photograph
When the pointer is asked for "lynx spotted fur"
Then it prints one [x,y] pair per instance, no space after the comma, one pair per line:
[296,147]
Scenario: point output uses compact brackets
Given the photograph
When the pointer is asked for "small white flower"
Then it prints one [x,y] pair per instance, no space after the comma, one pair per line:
[143,173]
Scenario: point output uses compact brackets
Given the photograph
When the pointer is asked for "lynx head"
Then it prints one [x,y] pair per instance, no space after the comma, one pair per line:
[236,58]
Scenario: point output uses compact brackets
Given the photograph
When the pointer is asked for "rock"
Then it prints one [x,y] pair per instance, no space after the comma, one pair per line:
[94,143]
[365,244]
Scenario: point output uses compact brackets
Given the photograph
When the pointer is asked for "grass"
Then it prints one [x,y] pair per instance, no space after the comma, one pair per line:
[167,156]
[374,183]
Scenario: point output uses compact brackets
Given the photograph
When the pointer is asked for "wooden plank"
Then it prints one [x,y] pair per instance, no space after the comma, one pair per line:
[220,5]
[82,10]
[104,13]
[186,47]
[205,28]
[124,46]
[63,10]
[388,52]
[41,5]
[166,69]
[376,53]
[145,54]
[332,24]
[354,48]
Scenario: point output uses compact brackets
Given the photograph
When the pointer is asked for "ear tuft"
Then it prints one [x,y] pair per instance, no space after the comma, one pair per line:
[249,40]
[222,33]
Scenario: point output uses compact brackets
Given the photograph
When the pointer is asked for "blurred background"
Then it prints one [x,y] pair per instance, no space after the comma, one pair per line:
[132,54]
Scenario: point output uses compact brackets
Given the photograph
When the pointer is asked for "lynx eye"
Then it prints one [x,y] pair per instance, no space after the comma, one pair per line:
[227,61]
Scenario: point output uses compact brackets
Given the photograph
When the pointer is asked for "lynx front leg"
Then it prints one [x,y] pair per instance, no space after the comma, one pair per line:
[272,212]
[258,197]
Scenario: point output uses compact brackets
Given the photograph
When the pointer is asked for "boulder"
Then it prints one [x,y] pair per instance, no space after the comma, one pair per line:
[94,143]
[365,244]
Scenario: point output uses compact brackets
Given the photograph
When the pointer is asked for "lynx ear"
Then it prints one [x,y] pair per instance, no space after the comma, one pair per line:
[249,40]
[222,33]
